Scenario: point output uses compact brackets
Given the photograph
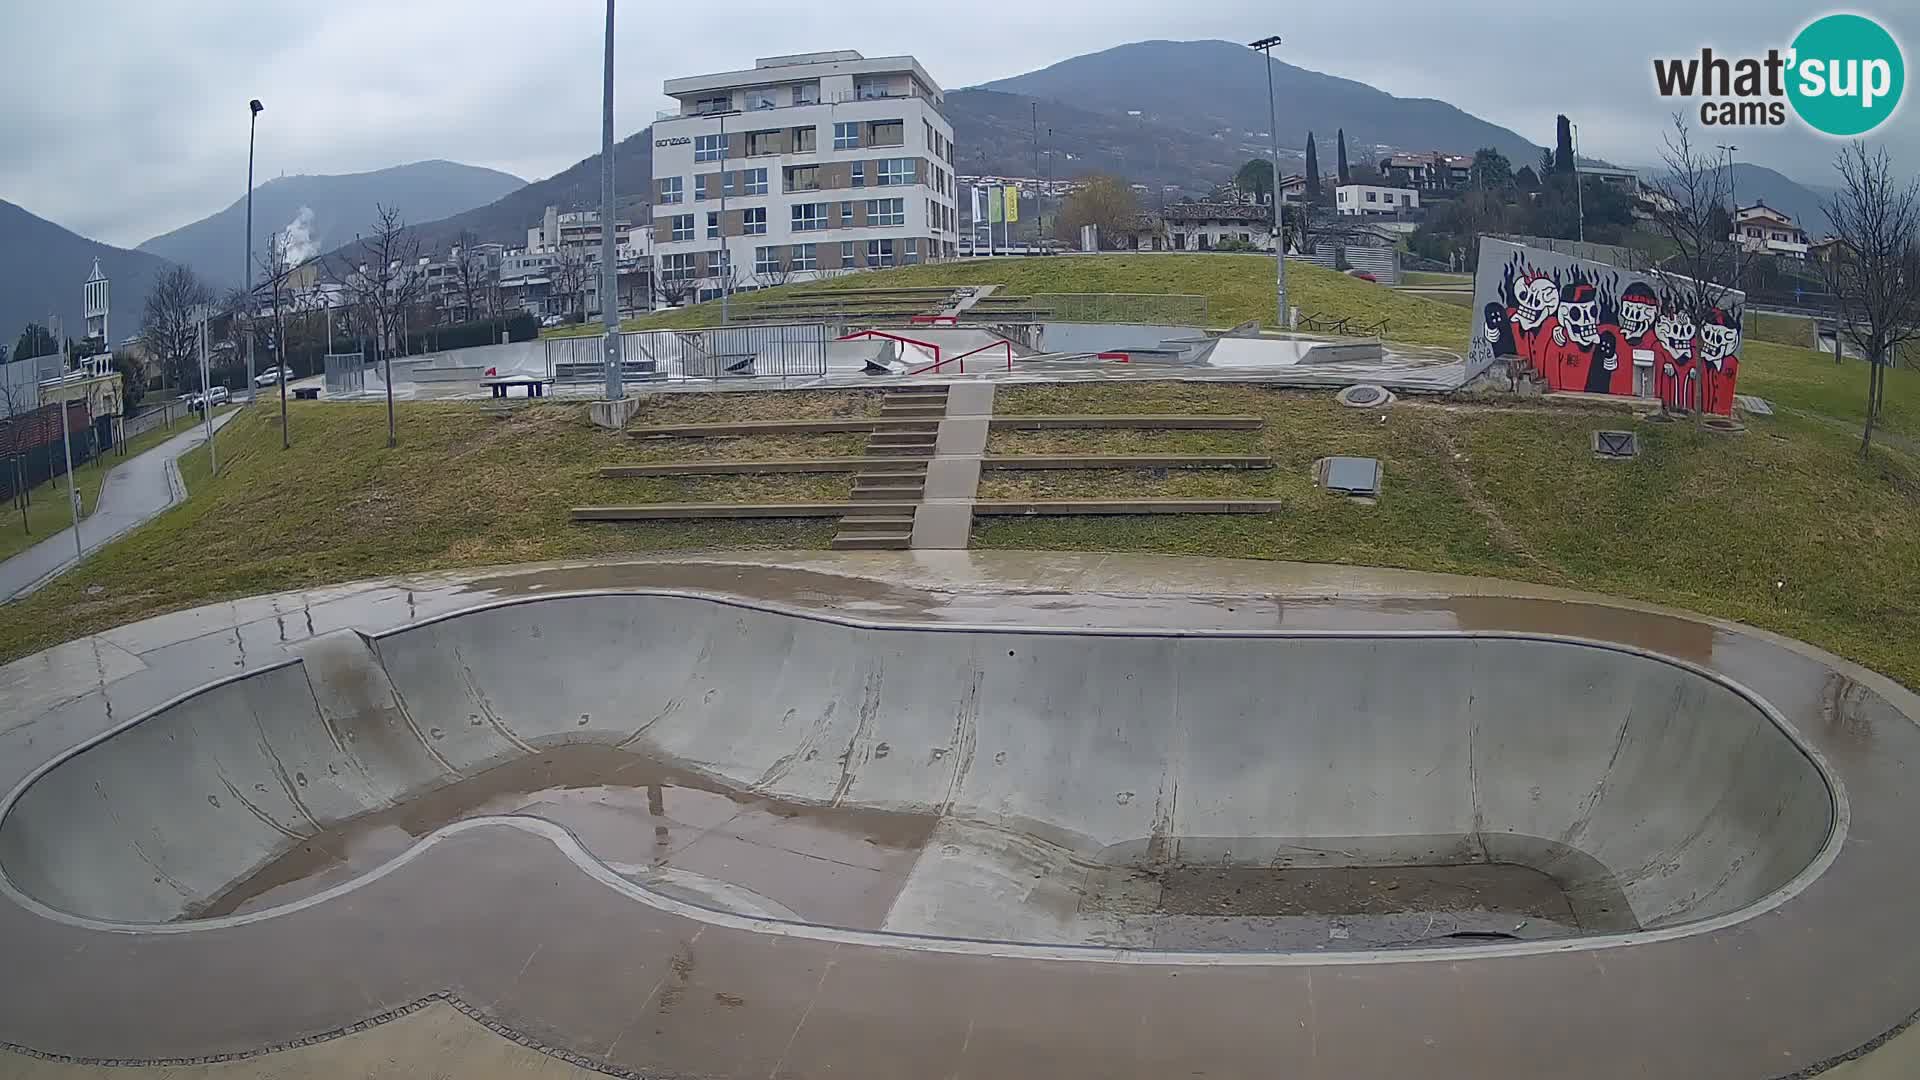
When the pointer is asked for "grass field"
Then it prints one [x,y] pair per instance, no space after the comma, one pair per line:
[1781,329]
[47,511]
[1237,288]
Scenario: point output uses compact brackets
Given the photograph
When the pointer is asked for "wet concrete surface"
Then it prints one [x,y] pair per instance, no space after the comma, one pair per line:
[501,920]
[834,865]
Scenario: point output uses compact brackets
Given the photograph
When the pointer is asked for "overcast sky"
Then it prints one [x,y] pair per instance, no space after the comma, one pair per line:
[127,118]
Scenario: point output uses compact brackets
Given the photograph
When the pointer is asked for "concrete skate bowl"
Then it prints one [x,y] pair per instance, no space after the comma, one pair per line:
[1284,795]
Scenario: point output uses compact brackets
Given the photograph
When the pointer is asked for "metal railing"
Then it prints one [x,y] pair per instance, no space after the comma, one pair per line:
[762,350]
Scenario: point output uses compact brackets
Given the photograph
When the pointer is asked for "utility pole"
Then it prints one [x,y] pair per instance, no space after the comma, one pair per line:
[253,110]
[1265,47]
[1579,189]
[609,256]
[206,402]
[726,283]
[1034,108]
[66,444]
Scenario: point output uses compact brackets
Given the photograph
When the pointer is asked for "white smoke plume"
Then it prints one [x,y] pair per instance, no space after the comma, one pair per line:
[298,238]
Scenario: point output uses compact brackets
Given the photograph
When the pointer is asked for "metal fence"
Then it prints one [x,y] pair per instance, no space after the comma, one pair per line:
[1382,263]
[761,350]
[346,374]
[1160,309]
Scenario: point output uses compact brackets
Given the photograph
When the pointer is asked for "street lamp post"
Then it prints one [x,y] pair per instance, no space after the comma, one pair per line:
[253,116]
[1733,218]
[66,443]
[609,255]
[1265,47]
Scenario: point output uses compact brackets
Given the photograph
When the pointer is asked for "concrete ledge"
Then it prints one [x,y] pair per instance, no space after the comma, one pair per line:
[1047,507]
[687,511]
[1128,461]
[614,415]
[775,465]
[1167,423]
[833,426]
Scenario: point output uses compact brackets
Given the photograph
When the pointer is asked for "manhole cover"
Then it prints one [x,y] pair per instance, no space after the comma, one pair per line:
[1616,445]
[1353,475]
[1363,396]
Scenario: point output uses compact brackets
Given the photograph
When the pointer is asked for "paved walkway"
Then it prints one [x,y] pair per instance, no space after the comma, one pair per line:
[135,491]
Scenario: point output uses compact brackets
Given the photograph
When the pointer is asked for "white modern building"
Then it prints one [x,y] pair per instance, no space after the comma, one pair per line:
[1362,199]
[805,165]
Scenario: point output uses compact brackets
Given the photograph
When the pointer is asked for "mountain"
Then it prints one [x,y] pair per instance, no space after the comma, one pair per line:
[507,218]
[1757,183]
[1217,87]
[993,132]
[326,211]
[43,265]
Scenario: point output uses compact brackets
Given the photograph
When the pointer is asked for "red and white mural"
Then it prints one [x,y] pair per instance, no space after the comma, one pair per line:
[1574,325]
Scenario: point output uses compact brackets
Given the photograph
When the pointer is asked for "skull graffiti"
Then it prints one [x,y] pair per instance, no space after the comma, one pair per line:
[1675,330]
[1537,300]
[1719,337]
[1638,308]
[1580,313]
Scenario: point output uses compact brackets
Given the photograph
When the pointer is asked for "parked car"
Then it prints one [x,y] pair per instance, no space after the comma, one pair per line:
[271,375]
[1363,276]
[219,395]
[553,320]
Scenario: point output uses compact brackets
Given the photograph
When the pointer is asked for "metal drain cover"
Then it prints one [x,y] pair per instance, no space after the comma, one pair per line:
[1364,396]
[1616,445]
[1354,476]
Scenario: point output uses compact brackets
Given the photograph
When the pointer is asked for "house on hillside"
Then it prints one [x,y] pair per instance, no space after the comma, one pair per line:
[1432,171]
[1361,200]
[1625,181]
[1209,226]
[1760,228]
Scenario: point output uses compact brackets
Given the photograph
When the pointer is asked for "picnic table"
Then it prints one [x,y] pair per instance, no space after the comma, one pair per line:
[502,385]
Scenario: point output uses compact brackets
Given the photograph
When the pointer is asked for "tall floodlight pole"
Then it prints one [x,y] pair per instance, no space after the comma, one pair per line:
[1265,47]
[253,116]
[726,264]
[609,255]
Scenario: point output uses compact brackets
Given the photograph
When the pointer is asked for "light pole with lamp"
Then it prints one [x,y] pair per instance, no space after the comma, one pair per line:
[1264,47]
[253,115]
[609,255]
[1733,218]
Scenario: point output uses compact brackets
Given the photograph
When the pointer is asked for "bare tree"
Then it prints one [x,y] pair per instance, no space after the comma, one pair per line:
[170,321]
[778,272]
[1875,275]
[276,268]
[672,290]
[569,275]
[1691,200]
[15,409]
[382,280]
[475,279]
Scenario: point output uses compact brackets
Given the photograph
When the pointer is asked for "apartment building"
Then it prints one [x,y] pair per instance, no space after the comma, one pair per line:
[806,165]
[1763,229]
[1354,200]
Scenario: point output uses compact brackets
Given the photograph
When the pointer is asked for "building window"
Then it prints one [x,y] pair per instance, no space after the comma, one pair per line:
[869,90]
[753,220]
[763,97]
[879,253]
[846,136]
[846,213]
[755,181]
[803,178]
[1370,197]
[886,211]
[713,225]
[723,103]
[683,226]
[931,145]
[893,171]
[802,140]
[762,143]
[700,188]
[671,190]
[804,257]
[766,260]
[806,93]
[709,147]
[913,251]
[888,133]
[808,217]
[846,253]
[859,174]
[677,268]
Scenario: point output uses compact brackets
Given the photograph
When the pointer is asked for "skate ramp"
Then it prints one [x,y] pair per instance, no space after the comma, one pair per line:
[1238,792]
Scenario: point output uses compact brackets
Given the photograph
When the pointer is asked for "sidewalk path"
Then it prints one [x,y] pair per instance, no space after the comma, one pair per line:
[136,490]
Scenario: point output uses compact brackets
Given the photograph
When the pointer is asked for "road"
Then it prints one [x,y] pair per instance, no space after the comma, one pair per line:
[134,492]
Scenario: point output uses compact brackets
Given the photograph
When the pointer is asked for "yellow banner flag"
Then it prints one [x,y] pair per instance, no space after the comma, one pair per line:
[1013,203]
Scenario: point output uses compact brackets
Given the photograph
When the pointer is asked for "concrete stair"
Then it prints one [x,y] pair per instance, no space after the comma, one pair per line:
[885,492]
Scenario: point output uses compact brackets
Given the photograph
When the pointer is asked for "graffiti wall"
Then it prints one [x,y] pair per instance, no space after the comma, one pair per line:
[1571,324]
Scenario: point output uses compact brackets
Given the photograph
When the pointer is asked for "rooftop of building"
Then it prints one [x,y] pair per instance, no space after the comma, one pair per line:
[797,67]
